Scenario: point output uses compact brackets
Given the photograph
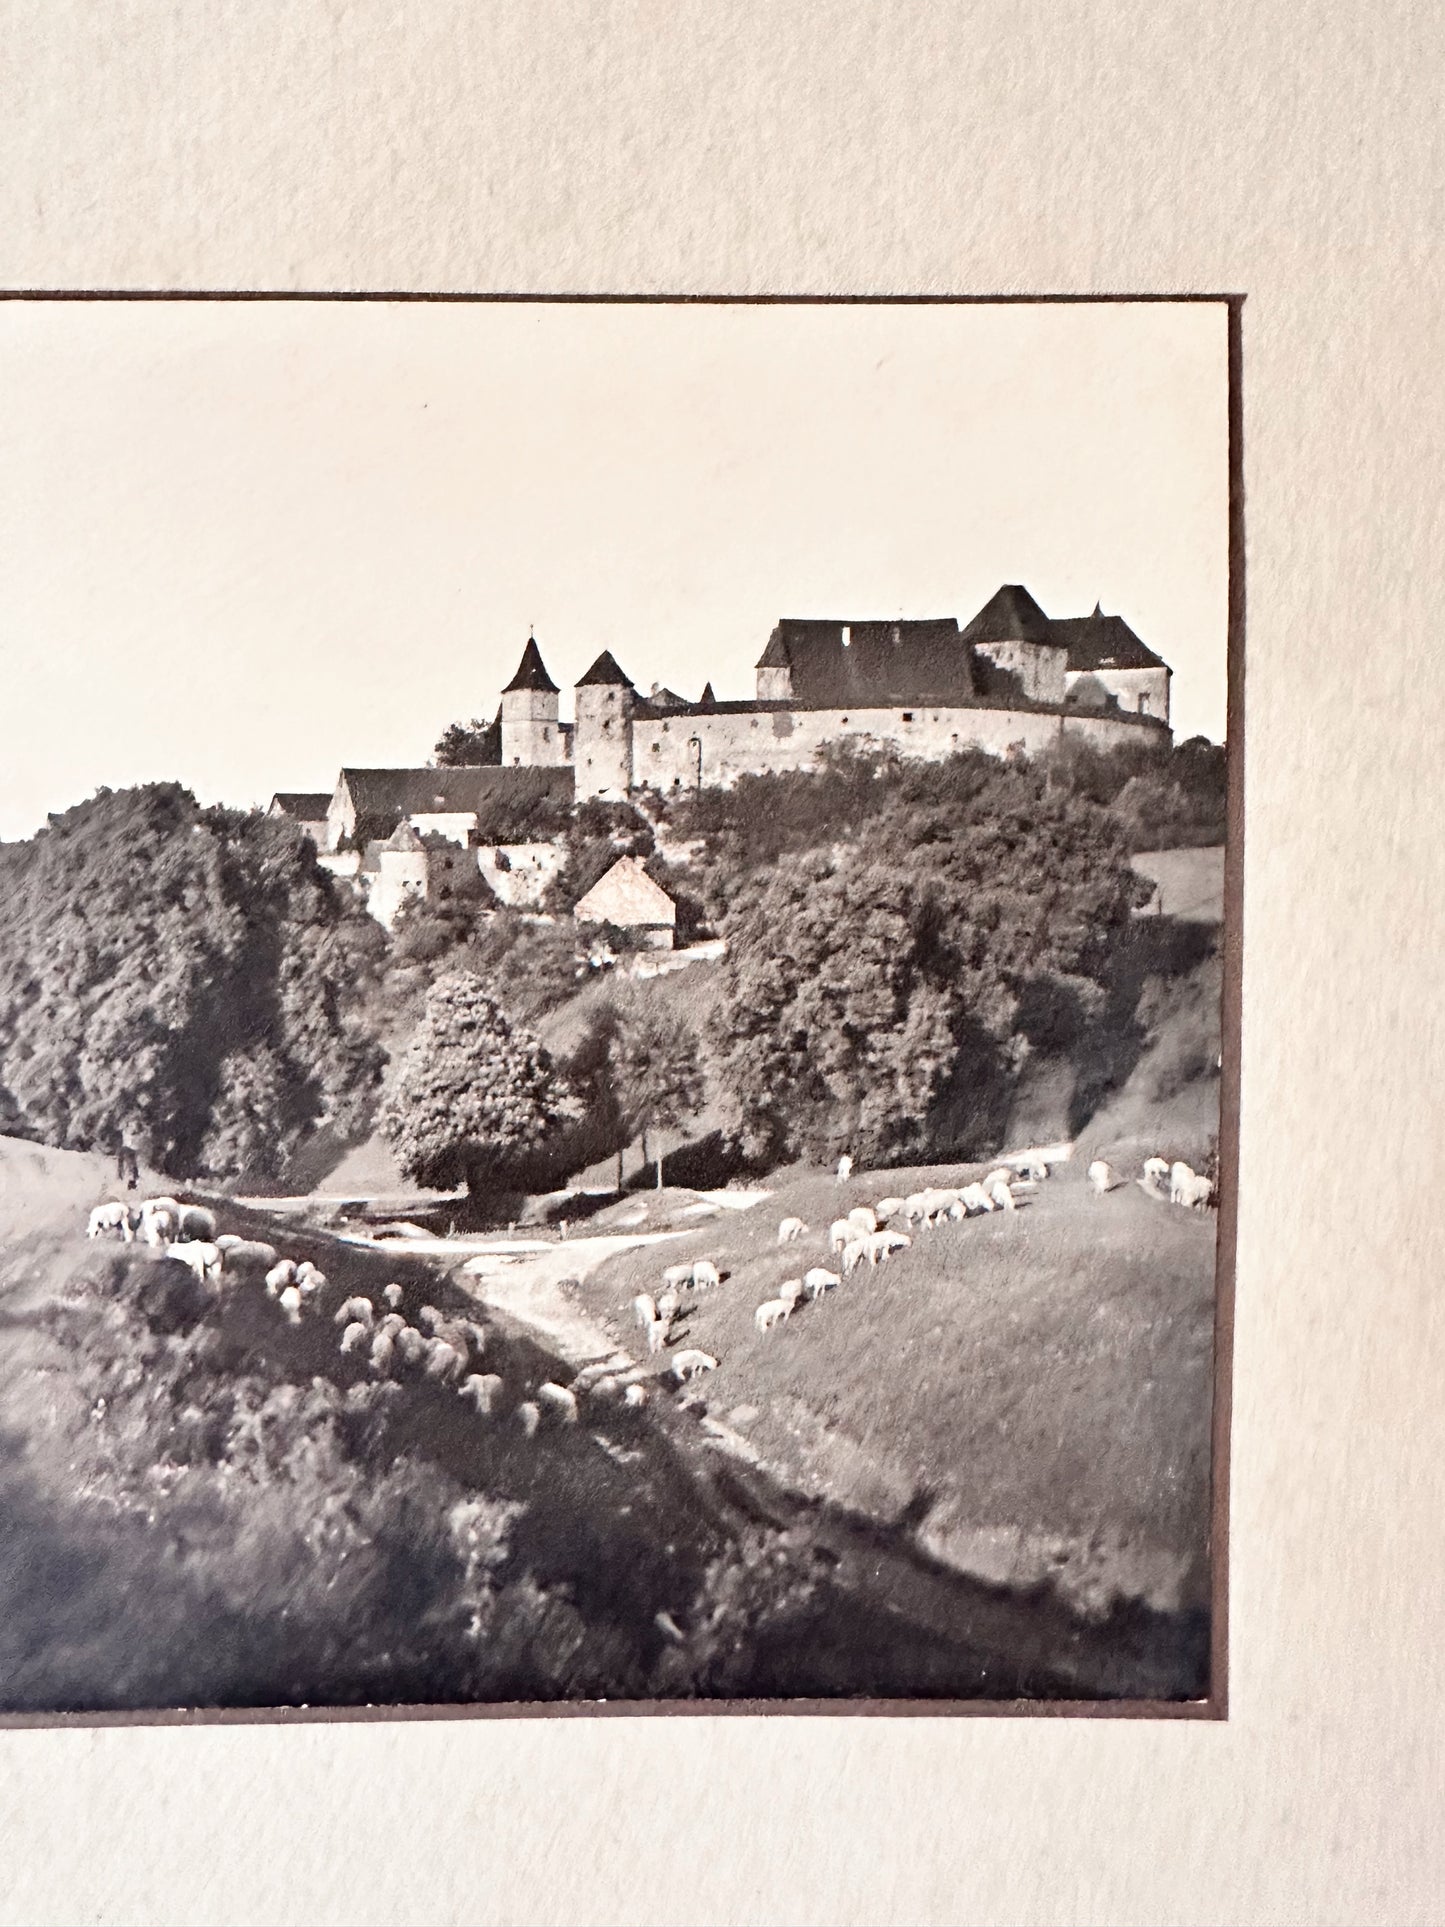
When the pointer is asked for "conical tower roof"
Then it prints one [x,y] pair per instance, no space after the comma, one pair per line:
[1010,615]
[606,671]
[531,671]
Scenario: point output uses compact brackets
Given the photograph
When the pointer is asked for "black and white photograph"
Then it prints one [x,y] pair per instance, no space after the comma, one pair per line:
[616,919]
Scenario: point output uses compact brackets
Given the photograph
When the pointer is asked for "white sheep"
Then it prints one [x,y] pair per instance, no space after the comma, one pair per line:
[634,1397]
[383,1351]
[888,1208]
[443,1361]
[1156,1173]
[203,1257]
[772,1311]
[393,1294]
[678,1274]
[358,1308]
[841,1232]
[482,1389]
[309,1278]
[354,1336]
[429,1318]
[391,1324]
[644,1308]
[819,1280]
[1001,1195]
[657,1335]
[882,1245]
[853,1256]
[151,1205]
[1181,1178]
[248,1255]
[159,1228]
[290,1302]
[108,1217]
[1100,1176]
[790,1291]
[279,1276]
[974,1199]
[845,1168]
[915,1207]
[668,1305]
[789,1229]
[864,1218]
[528,1417]
[1000,1174]
[689,1363]
[1197,1194]
[557,1400]
[412,1344]
[705,1275]
[1035,1170]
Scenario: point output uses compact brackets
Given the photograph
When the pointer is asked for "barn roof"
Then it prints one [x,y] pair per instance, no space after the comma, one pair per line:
[531,671]
[1104,642]
[1011,615]
[837,665]
[473,787]
[308,806]
[604,671]
[627,896]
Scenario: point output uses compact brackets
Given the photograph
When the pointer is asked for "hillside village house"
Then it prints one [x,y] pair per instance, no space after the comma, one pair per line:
[627,897]
[1013,678]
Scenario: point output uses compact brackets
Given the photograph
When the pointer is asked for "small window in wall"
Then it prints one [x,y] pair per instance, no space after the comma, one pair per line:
[845,722]
[607,726]
[546,735]
[664,729]
[847,635]
[1140,705]
[677,782]
[657,749]
[908,715]
[753,724]
[516,762]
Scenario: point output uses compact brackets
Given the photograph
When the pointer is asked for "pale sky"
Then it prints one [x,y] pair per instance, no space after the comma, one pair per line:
[242,544]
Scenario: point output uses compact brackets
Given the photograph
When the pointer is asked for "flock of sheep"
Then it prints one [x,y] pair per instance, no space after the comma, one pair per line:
[440,1349]
[1160,1179]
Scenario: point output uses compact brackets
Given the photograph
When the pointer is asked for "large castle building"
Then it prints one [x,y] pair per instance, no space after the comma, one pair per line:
[1011,679]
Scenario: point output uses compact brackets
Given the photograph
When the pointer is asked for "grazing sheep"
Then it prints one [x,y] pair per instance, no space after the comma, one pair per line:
[108,1217]
[393,1294]
[689,1363]
[668,1305]
[853,1256]
[203,1258]
[159,1228]
[1000,1174]
[789,1229]
[841,1232]
[310,1278]
[864,1218]
[1001,1195]
[528,1417]
[790,1291]
[383,1353]
[152,1205]
[601,1368]
[429,1318]
[915,1208]
[819,1280]
[1156,1172]
[888,1208]
[644,1308]
[845,1168]
[355,1335]
[557,1400]
[635,1397]
[705,1275]
[678,1274]
[249,1255]
[604,1389]
[1100,1176]
[1197,1194]
[391,1324]
[974,1199]
[883,1244]
[290,1302]
[412,1344]
[482,1389]
[228,1238]
[657,1334]
[194,1221]
[1181,1177]
[279,1276]
[443,1361]
[360,1308]
[772,1311]
[1034,1169]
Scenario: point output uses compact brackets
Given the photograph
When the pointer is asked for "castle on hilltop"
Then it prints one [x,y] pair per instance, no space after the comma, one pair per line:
[1012,678]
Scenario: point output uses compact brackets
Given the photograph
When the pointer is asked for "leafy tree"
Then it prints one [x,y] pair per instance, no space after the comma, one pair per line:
[182,980]
[476,1100]
[653,1056]
[466,745]
[875,988]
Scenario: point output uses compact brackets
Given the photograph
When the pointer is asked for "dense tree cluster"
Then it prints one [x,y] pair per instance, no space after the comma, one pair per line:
[468,745]
[877,985]
[182,980]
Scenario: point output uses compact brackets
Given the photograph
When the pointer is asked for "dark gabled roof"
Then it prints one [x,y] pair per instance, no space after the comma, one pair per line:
[531,671]
[838,664]
[606,671]
[422,792]
[1010,615]
[309,806]
[662,697]
[1104,642]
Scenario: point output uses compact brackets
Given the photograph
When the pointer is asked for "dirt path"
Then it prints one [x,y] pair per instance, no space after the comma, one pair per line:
[523,1281]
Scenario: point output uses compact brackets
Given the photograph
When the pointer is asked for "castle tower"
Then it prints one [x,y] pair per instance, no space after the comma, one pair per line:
[531,734]
[1019,650]
[602,745]
[775,670]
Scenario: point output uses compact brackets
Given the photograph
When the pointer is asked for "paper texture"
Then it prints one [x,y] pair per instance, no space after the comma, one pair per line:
[1287,153]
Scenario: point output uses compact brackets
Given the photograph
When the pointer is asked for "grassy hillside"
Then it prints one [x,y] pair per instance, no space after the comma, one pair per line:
[1031,1390]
